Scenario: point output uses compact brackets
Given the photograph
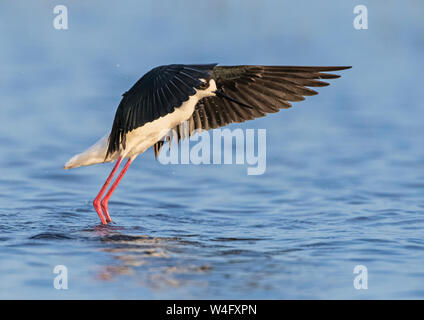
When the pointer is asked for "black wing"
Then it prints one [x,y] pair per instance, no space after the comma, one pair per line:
[156,94]
[248,92]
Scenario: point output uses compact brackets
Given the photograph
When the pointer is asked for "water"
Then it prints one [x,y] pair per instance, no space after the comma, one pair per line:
[344,179]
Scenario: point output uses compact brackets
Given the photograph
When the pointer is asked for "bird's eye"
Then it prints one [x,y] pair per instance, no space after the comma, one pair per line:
[204,85]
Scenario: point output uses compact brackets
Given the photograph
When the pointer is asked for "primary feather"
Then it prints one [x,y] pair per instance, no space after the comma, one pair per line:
[248,92]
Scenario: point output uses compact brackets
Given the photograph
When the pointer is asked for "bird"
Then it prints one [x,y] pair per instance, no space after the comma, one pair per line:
[206,96]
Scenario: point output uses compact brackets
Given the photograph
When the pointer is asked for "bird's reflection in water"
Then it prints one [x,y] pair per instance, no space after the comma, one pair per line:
[155,262]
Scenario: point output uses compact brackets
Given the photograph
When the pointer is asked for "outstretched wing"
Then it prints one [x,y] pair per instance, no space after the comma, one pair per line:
[156,94]
[248,92]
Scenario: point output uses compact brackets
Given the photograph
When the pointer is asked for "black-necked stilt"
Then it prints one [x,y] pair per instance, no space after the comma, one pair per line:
[207,95]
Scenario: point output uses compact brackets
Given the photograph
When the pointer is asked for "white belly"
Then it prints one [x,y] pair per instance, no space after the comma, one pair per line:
[142,138]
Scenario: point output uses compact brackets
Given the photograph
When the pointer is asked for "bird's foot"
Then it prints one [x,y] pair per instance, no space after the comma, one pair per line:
[104,204]
[98,208]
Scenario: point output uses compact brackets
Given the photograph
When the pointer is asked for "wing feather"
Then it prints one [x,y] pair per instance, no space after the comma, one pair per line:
[154,95]
[248,92]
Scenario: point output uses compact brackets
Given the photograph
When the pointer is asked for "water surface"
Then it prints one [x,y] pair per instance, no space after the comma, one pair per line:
[344,179]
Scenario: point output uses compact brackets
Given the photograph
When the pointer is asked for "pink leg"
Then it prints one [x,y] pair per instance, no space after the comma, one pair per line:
[96,202]
[105,200]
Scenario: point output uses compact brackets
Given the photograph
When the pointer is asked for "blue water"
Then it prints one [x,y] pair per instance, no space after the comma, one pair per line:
[344,179]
